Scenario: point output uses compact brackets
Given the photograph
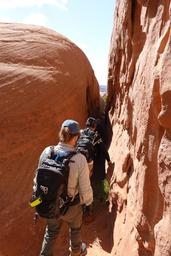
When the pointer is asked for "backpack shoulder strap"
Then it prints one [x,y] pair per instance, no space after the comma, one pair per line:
[97,139]
[85,132]
[64,156]
[52,150]
[70,154]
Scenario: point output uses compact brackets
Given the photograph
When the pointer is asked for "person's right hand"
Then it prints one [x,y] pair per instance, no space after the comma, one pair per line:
[88,215]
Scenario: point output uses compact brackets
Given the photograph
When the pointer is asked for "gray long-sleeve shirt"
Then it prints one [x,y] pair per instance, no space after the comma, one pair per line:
[78,180]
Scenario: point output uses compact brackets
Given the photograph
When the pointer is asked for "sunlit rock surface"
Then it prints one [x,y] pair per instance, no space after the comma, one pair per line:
[44,79]
[139,104]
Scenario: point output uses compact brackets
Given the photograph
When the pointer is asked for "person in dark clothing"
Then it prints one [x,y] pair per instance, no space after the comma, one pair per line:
[101,156]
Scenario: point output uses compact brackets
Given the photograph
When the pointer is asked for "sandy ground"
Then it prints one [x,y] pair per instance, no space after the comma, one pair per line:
[97,234]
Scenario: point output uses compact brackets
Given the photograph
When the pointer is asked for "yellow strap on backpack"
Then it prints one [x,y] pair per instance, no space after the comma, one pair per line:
[36,202]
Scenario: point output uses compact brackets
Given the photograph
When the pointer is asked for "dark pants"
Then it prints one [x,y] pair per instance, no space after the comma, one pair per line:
[74,219]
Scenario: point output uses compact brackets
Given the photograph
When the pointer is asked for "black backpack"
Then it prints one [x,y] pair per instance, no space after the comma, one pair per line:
[50,198]
[86,144]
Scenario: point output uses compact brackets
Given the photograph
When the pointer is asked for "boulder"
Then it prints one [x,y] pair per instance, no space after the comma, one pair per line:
[44,79]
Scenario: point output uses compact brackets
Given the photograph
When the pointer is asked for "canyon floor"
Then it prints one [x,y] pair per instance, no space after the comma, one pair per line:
[97,234]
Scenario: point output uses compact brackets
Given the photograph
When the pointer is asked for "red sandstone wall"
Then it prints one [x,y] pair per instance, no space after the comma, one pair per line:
[44,79]
[139,104]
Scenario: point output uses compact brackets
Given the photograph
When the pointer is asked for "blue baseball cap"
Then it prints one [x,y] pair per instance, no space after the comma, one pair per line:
[73,126]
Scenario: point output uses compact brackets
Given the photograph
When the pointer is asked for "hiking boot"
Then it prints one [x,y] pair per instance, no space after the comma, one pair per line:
[82,253]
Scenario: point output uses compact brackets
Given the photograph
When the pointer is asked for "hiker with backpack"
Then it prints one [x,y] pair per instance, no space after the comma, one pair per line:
[87,142]
[101,155]
[69,172]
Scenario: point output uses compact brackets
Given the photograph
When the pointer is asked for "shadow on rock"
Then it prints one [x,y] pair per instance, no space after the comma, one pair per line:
[99,232]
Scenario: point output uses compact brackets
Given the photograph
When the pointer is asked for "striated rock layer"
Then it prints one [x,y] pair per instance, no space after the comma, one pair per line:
[44,79]
[139,104]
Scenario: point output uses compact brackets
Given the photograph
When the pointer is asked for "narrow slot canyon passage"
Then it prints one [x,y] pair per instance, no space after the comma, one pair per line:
[45,79]
[97,232]
[97,229]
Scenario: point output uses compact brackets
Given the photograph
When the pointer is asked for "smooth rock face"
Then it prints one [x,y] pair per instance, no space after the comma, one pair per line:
[44,79]
[139,104]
